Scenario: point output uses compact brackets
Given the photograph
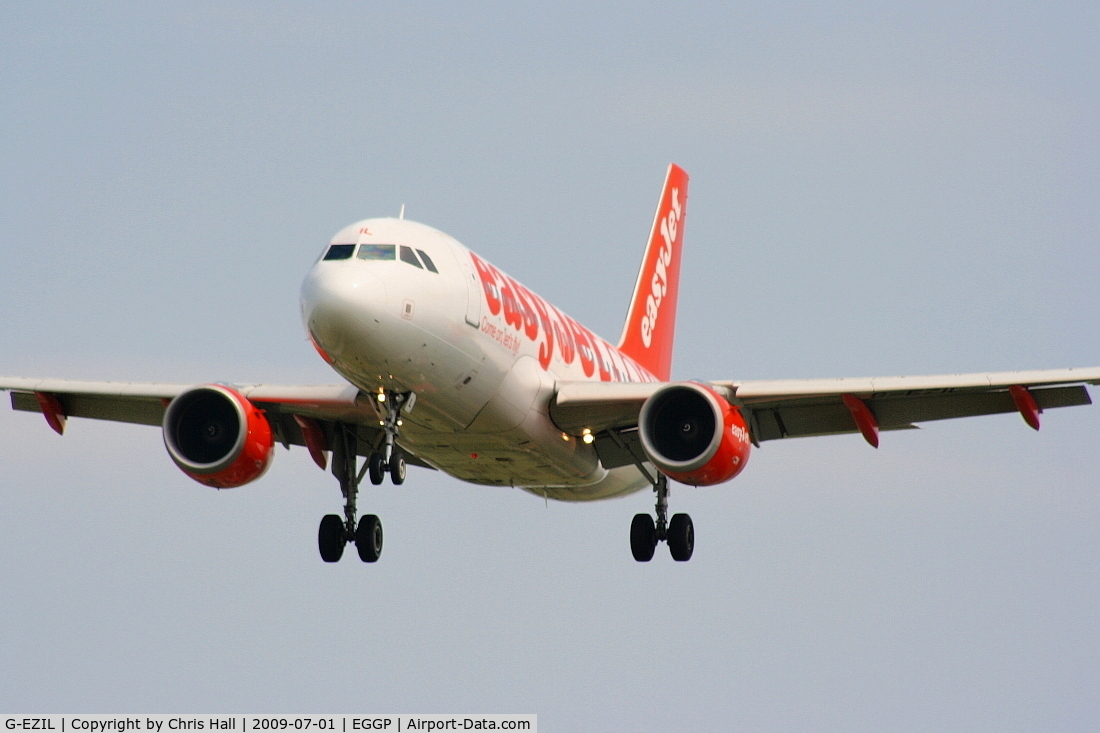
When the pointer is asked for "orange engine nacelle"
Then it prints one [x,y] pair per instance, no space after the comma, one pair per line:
[217,437]
[693,435]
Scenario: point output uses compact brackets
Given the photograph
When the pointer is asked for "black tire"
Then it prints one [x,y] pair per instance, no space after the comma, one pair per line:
[368,538]
[376,468]
[397,468]
[681,537]
[643,537]
[330,538]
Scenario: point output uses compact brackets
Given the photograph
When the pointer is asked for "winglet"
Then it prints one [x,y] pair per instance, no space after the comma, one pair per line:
[651,320]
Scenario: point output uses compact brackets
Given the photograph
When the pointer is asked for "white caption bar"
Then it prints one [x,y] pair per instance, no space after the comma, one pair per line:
[390,723]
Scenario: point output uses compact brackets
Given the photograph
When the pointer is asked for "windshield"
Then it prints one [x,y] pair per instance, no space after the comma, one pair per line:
[339,251]
[377,252]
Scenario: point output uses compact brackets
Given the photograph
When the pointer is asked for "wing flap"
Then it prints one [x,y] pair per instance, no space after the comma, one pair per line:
[117,408]
[620,448]
[599,406]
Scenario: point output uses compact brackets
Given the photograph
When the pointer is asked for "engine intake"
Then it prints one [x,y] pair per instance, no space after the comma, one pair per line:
[693,435]
[217,437]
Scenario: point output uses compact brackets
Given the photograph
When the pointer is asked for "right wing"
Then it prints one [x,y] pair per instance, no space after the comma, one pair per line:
[145,404]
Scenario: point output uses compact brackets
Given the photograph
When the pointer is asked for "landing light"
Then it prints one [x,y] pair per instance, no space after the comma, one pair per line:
[587,436]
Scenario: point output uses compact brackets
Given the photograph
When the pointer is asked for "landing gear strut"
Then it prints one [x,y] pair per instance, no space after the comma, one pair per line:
[645,533]
[389,458]
[336,531]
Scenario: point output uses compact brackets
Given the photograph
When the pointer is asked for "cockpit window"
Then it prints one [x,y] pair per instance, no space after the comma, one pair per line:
[377,251]
[427,260]
[408,256]
[339,252]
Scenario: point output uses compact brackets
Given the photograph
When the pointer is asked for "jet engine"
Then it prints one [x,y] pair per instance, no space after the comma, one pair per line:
[217,437]
[693,435]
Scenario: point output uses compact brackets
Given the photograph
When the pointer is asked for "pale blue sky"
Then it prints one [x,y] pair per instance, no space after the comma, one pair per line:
[875,190]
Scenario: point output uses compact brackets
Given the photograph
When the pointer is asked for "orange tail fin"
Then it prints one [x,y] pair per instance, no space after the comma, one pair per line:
[651,321]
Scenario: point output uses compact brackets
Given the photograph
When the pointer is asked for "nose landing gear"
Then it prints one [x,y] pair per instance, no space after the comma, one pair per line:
[389,459]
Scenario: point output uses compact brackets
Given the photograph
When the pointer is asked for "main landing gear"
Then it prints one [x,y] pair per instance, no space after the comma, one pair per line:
[336,531]
[645,534]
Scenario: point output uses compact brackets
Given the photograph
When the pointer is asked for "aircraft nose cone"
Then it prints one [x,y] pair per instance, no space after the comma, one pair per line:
[340,306]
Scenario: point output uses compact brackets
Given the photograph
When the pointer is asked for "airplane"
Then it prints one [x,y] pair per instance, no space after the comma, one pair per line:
[450,364]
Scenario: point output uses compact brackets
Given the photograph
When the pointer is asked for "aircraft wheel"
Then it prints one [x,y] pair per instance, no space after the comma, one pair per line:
[376,468]
[330,538]
[368,538]
[397,468]
[643,537]
[681,537]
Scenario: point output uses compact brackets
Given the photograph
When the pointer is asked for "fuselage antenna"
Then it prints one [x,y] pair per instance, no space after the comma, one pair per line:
[402,214]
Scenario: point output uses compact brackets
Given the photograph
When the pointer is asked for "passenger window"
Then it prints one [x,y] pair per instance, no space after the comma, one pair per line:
[408,256]
[378,252]
[339,252]
[427,260]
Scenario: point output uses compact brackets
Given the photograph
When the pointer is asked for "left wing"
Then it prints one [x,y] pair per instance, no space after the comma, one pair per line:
[320,407]
[797,408]
[792,408]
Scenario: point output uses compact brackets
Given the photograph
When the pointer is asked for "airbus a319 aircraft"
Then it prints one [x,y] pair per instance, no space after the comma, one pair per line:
[451,364]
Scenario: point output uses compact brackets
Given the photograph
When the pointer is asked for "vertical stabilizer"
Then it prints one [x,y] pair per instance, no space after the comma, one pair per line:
[651,321]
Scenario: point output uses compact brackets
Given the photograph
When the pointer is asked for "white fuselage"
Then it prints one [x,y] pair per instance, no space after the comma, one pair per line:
[404,307]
